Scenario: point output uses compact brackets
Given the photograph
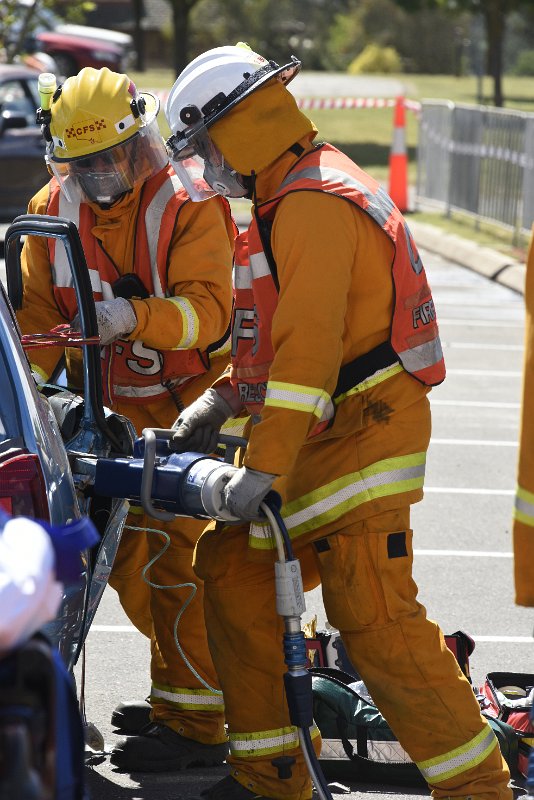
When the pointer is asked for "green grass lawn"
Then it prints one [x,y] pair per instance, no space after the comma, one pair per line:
[366,134]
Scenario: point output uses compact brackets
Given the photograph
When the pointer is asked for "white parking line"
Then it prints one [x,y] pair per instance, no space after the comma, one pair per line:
[487,373]
[473,403]
[481,442]
[478,346]
[465,553]
[510,639]
[482,323]
[457,490]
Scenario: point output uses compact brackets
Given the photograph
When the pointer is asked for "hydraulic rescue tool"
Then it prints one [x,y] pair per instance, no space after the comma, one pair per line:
[165,484]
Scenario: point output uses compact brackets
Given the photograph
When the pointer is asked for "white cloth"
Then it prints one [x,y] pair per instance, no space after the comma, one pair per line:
[115,319]
[29,592]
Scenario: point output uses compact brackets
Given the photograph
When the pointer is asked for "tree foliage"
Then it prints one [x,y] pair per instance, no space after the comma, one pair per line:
[495,14]
[443,37]
[18,21]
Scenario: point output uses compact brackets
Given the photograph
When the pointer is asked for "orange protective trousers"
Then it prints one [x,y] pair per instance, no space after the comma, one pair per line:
[154,611]
[400,654]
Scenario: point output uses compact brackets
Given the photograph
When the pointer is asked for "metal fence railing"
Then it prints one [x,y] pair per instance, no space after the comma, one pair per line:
[478,160]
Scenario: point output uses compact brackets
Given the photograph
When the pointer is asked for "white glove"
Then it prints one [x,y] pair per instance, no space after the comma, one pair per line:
[115,319]
[244,492]
[197,427]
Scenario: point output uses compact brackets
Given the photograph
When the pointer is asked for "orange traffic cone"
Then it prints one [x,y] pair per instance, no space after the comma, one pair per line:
[398,159]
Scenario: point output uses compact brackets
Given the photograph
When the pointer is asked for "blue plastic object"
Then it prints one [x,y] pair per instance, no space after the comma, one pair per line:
[68,542]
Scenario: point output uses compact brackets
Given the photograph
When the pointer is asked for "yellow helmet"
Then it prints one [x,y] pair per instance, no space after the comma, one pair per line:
[100,113]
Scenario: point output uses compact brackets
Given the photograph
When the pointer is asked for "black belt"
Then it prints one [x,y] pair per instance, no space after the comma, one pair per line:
[361,368]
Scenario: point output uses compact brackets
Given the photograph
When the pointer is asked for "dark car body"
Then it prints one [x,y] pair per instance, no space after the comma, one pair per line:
[22,167]
[71,52]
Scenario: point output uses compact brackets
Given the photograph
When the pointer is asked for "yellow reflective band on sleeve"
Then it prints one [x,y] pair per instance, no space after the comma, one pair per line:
[188,699]
[265,743]
[235,426]
[368,383]
[461,759]
[327,503]
[42,374]
[296,397]
[223,350]
[190,324]
[524,507]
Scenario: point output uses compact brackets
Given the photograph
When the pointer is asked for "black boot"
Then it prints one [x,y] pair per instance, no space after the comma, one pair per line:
[157,748]
[131,716]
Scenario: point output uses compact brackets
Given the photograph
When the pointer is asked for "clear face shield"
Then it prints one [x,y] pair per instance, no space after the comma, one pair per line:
[105,176]
[201,167]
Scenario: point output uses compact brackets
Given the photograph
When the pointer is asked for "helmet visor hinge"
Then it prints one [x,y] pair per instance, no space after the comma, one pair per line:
[214,104]
[190,114]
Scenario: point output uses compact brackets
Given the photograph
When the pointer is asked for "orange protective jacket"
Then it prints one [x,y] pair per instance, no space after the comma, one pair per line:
[414,338]
[135,372]
[181,251]
[335,303]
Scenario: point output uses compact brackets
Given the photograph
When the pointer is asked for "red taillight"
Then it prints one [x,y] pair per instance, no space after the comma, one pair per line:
[22,488]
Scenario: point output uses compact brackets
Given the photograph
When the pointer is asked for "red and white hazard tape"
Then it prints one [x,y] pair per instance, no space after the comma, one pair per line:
[333,103]
[319,103]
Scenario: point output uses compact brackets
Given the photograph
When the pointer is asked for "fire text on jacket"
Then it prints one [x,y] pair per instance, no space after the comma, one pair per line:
[424,313]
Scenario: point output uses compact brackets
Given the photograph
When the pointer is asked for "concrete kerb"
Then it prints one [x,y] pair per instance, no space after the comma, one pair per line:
[493,265]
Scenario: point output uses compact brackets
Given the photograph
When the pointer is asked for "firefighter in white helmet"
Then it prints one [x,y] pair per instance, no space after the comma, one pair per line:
[335,347]
[160,270]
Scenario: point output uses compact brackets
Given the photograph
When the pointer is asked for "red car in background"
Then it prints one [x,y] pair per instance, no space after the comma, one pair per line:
[73,46]
[71,52]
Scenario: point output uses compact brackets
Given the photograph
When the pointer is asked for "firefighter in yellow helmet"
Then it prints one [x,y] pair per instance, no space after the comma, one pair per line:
[160,269]
[334,349]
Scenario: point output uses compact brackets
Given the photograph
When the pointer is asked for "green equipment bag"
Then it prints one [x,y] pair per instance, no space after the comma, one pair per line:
[357,742]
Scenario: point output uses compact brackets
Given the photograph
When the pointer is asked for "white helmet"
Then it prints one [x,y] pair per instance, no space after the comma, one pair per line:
[210,86]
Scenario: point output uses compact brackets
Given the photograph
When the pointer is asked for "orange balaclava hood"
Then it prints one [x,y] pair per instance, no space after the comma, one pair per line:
[260,128]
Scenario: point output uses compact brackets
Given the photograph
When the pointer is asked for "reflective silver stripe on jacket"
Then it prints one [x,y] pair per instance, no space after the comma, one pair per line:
[244,275]
[524,506]
[153,220]
[422,356]
[61,271]
[331,501]
[380,204]
[138,391]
